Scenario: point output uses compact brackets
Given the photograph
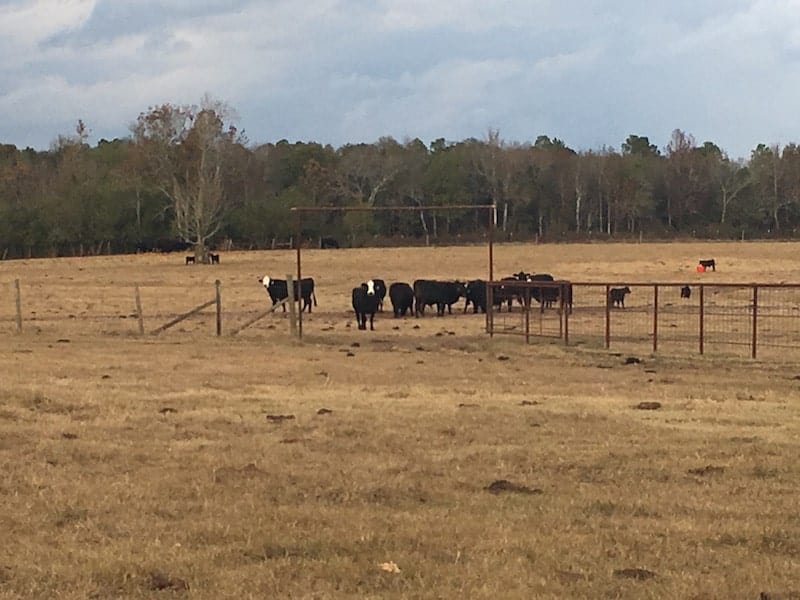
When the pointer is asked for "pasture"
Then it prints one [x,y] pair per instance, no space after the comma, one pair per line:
[420,460]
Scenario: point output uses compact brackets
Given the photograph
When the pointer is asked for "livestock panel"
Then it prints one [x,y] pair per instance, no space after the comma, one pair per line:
[730,319]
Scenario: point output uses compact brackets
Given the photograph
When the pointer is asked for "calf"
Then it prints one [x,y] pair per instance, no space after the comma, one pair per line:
[326,243]
[278,290]
[686,292]
[708,264]
[440,293]
[365,302]
[190,260]
[402,298]
[214,258]
[617,296]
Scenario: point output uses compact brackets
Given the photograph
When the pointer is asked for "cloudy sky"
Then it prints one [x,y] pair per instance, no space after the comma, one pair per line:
[590,72]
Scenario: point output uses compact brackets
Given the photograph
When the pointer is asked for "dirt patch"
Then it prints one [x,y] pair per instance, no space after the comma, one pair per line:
[505,486]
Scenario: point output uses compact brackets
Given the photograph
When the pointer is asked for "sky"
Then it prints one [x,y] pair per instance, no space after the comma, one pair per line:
[589,72]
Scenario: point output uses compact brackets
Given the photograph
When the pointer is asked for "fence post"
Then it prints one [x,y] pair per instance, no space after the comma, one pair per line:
[608,317]
[490,308]
[655,318]
[565,309]
[755,320]
[527,308]
[292,305]
[18,304]
[702,317]
[138,299]
[218,298]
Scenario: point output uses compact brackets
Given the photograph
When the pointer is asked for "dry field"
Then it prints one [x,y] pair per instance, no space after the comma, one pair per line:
[446,464]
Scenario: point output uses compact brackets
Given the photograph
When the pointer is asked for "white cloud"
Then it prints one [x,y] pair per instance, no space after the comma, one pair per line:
[336,71]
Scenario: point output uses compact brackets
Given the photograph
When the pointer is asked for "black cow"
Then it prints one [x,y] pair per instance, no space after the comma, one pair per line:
[402,297]
[327,243]
[190,260]
[440,293]
[509,292]
[380,291]
[365,302]
[278,290]
[617,296]
[708,264]
[475,293]
[686,292]
[213,258]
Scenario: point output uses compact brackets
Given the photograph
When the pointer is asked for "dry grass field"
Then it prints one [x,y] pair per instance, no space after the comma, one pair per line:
[444,465]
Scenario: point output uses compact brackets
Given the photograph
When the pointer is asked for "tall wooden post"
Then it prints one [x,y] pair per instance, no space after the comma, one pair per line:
[218,299]
[139,317]
[298,226]
[608,316]
[293,321]
[755,321]
[655,318]
[18,304]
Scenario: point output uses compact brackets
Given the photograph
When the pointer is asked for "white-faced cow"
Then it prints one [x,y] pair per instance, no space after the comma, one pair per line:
[365,303]
[278,290]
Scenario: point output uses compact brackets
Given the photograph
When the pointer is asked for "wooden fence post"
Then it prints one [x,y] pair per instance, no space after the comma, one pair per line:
[18,304]
[218,299]
[139,315]
[608,316]
[292,305]
[655,318]
[755,321]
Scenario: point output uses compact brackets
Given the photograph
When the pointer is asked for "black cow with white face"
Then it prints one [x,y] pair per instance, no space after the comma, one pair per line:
[402,298]
[278,290]
[365,303]
[380,291]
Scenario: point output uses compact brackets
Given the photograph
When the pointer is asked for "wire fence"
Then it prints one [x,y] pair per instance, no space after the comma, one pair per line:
[753,319]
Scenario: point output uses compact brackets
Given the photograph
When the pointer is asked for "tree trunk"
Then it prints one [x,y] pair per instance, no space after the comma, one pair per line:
[425,227]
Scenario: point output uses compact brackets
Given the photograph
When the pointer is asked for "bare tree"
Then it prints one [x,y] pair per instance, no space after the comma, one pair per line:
[186,150]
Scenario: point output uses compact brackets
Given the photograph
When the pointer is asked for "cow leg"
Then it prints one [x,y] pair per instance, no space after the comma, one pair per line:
[371,325]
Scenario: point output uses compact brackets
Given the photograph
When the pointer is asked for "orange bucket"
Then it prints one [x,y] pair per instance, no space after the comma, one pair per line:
[701,269]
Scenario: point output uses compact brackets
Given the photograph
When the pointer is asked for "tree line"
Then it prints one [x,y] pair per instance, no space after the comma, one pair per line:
[186,172]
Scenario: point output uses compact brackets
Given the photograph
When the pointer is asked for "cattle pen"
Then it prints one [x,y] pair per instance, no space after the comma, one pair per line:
[728,318]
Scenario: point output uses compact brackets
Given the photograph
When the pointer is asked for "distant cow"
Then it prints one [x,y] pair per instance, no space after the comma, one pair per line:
[402,298]
[380,291]
[686,292]
[278,290]
[617,296]
[214,258]
[708,264]
[365,303]
[190,260]
[441,293]
[327,243]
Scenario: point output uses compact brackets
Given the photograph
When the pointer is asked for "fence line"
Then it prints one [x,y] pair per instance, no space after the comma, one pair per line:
[753,315]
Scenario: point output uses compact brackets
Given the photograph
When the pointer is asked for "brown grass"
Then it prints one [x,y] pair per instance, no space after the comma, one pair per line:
[139,468]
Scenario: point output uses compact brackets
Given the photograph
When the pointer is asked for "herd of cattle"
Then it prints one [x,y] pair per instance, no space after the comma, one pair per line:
[368,298]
